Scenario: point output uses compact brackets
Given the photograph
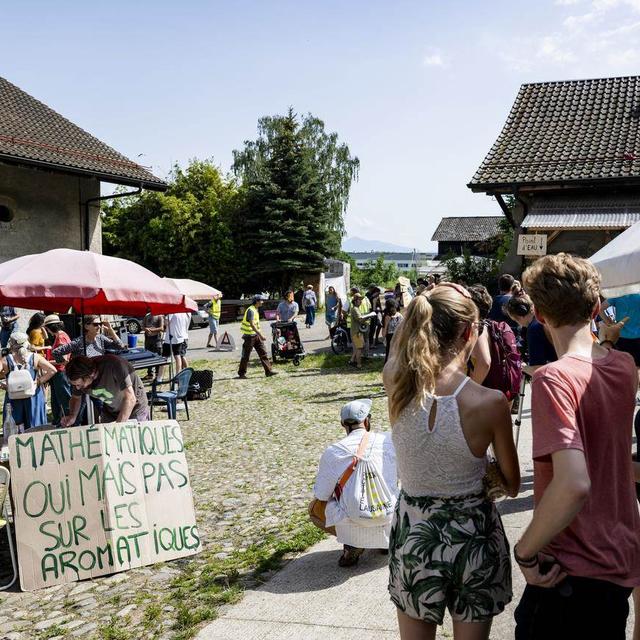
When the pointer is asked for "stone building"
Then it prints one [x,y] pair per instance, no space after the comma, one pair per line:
[569,153]
[50,175]
[476,235]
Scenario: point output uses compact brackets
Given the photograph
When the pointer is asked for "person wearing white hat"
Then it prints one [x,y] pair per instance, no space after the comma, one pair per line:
[29,409]
[337,484]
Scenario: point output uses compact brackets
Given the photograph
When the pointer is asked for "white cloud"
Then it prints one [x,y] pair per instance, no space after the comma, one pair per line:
[597,39]
[433,59]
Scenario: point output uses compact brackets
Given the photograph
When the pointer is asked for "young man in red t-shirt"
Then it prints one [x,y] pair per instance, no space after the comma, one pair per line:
[580,555]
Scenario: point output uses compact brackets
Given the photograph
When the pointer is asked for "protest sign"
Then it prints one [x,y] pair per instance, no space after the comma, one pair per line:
[99,499]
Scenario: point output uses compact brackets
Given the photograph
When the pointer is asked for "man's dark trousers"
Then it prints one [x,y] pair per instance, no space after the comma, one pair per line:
[249,343]
[580,608]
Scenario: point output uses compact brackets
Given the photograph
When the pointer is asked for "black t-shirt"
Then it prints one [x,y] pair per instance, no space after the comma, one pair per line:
[115,375]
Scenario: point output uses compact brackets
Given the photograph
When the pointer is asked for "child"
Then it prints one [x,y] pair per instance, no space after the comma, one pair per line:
[392,320]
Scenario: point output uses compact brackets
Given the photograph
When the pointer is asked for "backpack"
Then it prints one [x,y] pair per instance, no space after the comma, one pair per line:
[20,382]
[505,372]
[200,385]
[366,497]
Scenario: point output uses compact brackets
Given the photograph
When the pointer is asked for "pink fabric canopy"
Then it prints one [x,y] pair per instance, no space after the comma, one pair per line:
[87,282]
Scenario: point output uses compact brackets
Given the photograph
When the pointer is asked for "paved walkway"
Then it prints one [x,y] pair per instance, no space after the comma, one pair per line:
[313,599]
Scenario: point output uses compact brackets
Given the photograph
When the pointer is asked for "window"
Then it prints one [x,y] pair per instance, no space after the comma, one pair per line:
[403,265]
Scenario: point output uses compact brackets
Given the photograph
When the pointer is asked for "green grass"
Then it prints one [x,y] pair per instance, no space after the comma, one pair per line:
[52,632]
[197,596]
[115,629]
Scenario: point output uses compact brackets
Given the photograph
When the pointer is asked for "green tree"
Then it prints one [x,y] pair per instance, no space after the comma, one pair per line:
[185,232]
[379,273]
[468,269]
[296,181]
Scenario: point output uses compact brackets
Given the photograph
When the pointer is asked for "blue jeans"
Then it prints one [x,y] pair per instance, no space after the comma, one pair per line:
[311,316]
[4,337]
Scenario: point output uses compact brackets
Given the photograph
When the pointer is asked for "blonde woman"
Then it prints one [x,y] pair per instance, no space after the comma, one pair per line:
[448,549]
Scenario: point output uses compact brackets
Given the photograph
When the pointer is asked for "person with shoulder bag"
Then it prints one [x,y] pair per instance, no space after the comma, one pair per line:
[356,486]
[26,374]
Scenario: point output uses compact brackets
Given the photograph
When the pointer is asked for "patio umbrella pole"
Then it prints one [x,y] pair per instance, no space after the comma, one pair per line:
[90,415]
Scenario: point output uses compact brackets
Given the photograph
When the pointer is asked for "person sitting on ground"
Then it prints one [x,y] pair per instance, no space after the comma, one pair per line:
[332,484]
[442,426]
[497,311]
[537,348]
[113,381]
[392,320]
[496,361]
[583,543]
[99,337]
[288,308]
[32,411]
[214,311]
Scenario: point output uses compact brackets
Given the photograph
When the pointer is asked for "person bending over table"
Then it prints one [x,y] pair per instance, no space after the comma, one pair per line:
[111,380]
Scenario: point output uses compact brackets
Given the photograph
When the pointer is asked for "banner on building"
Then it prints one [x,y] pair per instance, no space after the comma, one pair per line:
[95,500]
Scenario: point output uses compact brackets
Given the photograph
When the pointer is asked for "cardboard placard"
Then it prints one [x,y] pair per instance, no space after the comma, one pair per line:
[532,244]
[100,499]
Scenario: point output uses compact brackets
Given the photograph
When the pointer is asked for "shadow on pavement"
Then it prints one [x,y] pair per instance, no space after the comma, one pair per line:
[320,570]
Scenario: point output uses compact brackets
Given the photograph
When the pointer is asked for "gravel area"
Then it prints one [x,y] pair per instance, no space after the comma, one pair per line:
[252,450]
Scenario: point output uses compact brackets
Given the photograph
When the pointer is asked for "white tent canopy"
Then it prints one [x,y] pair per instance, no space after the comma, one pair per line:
[619,264]
[194,289]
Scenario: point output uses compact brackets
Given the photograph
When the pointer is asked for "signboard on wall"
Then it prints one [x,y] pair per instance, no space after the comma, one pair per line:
[532,245]
[95,500]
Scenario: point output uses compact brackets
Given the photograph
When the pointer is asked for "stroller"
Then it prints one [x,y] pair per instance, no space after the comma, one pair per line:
[286,342]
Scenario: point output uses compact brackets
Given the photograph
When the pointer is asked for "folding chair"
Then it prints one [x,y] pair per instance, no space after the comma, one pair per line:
[179,390]
[5,479]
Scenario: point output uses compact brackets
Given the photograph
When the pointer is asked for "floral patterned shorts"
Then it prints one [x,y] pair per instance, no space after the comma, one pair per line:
[449,553]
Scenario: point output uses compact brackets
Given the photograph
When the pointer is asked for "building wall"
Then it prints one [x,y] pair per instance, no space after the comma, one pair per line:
[48,211]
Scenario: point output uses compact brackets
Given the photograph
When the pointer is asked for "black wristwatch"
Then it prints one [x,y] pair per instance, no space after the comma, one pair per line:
[527,563]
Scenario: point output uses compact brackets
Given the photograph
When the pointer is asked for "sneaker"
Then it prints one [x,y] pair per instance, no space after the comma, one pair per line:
[350,556]
[271,373]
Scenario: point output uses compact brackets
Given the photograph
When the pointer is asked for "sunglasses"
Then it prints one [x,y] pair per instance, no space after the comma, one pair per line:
[96,324]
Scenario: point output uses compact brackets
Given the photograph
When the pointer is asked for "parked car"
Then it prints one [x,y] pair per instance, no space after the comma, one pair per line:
[199,319]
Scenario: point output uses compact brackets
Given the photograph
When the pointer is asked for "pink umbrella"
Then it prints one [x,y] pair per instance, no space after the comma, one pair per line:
[87,282]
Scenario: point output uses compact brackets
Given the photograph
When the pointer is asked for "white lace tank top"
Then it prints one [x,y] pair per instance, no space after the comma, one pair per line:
[436,462]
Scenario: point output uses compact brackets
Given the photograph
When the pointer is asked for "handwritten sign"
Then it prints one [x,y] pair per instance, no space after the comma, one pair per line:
[100,499]
[532,245]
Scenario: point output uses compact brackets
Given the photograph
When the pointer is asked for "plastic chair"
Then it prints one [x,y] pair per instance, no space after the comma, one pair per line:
[5,479]
[179,388]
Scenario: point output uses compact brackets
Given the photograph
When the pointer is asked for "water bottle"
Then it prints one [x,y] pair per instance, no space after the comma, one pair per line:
[9,426]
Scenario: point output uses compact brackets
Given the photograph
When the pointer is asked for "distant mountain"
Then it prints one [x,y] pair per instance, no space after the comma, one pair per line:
[353,245]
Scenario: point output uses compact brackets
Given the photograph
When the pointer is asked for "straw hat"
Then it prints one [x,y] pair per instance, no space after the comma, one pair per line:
[51,319]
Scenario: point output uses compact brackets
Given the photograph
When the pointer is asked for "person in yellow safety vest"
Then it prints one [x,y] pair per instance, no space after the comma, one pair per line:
[214,309]
[252,338]
[359,329]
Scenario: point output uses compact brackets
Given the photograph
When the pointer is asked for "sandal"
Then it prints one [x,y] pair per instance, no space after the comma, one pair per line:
[350,556]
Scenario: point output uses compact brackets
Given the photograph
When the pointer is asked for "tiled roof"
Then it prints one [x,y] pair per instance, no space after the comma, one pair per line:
[467,228]
[616,212]
[33,134]
[568,131]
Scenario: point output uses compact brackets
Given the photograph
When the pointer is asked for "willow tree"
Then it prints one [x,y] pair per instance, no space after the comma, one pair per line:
[327,165]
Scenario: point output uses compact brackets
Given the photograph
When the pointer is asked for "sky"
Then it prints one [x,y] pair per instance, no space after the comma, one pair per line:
[419,90]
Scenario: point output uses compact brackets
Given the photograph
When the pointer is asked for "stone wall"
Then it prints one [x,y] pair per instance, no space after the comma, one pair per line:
[47,211]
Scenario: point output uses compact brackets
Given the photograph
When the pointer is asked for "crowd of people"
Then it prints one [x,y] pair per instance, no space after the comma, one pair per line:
[456,361]
[68,374]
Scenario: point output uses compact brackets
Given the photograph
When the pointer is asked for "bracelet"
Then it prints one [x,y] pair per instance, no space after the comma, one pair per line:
[527,563]
[602,343]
